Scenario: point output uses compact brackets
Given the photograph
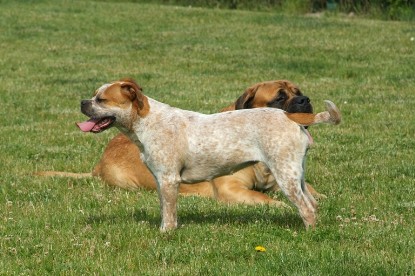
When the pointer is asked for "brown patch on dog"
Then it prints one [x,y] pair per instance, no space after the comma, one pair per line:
[122,93]
[136,95]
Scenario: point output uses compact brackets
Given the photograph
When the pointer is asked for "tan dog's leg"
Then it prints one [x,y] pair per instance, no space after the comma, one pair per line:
[316,194]
[203,189]
[232,189]
[311,190]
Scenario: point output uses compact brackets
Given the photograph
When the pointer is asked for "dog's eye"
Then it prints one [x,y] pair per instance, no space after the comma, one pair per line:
[298,92]
[279,101]
[281,97]
[100,100]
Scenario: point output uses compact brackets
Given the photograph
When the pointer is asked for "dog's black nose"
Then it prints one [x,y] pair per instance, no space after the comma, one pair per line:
[300,104]
[301,100]
[85,106]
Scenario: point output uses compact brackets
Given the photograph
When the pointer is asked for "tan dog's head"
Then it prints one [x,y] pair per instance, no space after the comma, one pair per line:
[114,104]
[281,94]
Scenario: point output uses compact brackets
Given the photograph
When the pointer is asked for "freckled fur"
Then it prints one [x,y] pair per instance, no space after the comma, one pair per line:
[121,164]
[185,146]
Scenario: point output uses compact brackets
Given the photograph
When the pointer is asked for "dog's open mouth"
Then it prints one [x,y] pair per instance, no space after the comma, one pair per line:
[96,125]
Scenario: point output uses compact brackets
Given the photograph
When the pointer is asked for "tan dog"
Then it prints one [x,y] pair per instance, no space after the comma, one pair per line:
[121,166]
[180,146]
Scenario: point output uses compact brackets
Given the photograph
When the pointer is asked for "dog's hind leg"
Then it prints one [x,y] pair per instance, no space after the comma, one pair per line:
[305,189]
[290,181]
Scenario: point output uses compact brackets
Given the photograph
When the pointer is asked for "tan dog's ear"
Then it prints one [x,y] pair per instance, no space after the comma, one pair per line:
[135,93]
[245,101]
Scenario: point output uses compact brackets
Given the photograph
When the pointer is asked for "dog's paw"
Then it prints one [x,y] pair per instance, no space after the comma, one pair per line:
[319,196]
[167,227]
[281,205]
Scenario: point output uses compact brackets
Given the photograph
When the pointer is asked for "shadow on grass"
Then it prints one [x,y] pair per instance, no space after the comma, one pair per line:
[242,217]
[231,216]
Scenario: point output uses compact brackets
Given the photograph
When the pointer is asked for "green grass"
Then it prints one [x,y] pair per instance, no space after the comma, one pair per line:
[55,53]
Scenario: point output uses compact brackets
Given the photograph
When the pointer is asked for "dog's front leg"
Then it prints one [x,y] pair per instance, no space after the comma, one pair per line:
[168,192]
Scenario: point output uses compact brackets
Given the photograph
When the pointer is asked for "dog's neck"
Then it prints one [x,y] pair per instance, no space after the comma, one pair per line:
[138,133]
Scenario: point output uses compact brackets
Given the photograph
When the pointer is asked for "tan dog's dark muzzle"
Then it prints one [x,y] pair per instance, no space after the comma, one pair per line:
[300,104]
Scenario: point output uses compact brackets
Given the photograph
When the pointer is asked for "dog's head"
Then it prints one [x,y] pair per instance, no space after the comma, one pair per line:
[114,104]
[281,94]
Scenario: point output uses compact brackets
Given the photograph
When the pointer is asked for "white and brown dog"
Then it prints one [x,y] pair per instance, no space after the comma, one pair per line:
[120,164]
[181,146]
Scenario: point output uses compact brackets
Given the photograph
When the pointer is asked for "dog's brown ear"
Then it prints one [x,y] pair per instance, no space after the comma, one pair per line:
[131,88]
[246,100]
[135,93]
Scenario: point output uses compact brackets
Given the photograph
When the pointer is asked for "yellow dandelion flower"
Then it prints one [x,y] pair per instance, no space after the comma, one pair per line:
[260,249]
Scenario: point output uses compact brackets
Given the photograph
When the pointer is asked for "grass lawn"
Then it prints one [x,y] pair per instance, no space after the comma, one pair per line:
[55,53]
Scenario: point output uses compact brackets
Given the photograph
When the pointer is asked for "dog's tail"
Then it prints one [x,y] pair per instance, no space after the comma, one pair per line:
[332,115]
[63,174]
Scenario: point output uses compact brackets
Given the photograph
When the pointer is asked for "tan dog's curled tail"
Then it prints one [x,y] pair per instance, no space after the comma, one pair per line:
[63,174]
[332,115]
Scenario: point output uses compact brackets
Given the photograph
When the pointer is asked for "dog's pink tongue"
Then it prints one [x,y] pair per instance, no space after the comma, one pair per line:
[87,125]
